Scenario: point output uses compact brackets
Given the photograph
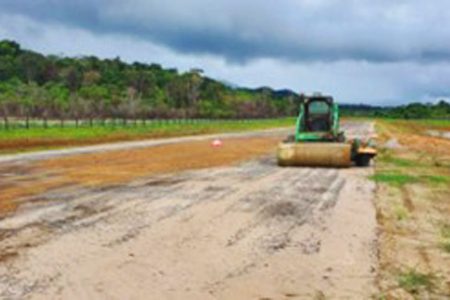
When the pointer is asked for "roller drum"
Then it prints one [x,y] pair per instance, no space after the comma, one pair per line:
[312,154]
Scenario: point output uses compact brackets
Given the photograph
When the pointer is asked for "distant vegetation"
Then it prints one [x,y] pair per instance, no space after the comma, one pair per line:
[440,110]
[90,90]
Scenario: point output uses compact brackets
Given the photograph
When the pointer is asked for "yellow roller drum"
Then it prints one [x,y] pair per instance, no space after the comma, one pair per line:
[319,154]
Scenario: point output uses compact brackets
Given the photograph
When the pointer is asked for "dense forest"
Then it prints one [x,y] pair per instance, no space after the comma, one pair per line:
[87,88]
[34,85]
[440,110]
[415,110]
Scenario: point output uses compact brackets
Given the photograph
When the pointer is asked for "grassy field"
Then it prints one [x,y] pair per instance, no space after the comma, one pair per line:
[423,124]
[413,209]
[21,139]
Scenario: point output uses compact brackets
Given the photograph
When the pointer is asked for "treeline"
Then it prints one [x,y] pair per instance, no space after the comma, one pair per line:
[33,85]
[90,89]
[439,110]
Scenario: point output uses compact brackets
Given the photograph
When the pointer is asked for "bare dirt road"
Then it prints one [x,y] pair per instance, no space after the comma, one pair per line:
[222,224]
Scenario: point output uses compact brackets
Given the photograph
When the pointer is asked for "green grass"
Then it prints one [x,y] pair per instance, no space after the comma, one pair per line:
[445,231]
[401,213]
[399,171]
[434,123]
[399,162]
[412,281]
[398,179]
[436,179]
[395,179]
[390,175]
[160,128]
[425,122]
[445,245]
[381,296]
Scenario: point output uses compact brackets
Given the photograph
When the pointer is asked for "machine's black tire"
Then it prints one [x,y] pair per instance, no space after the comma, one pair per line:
[363,160]
[340,138]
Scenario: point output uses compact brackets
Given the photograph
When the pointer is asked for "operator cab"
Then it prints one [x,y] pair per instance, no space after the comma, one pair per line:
[318,114]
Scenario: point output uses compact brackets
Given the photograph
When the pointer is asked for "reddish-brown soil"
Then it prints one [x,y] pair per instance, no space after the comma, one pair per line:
[414,137]
[122,166]
[114,167]
[27,144]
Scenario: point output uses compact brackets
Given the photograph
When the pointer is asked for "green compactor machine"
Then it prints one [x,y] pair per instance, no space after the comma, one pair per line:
[318,141]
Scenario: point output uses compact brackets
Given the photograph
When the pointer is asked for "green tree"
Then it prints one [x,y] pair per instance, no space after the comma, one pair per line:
[7,98]
[58,96]
[44,103]
[27,102]
[108,88]
[97,97]
[76,107]
[32,66]
[8,53]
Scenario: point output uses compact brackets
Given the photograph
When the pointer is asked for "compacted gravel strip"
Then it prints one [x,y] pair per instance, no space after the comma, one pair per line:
[247,231]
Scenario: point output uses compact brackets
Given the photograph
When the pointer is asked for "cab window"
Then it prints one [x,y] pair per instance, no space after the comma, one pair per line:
[318,108]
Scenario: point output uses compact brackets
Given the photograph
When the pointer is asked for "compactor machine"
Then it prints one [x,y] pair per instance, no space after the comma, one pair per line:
[318,141]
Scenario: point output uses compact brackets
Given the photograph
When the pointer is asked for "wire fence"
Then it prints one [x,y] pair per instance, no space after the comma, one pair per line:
[21,123]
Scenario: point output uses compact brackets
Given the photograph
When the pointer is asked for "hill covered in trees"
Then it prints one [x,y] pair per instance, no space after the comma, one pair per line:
[33,85]
[36,85]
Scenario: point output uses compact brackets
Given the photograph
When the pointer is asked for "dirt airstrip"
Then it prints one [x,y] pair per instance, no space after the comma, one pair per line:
[186,221]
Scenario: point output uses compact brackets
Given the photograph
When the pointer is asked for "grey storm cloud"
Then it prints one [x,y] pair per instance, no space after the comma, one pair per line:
[295,30]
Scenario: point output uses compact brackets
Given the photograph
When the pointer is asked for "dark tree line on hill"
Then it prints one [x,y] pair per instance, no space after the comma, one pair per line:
[87,88]
[440,110]
[416,110]
[33,85]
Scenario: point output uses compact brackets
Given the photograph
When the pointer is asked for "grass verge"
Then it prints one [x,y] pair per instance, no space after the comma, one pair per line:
[21,139]
[413,188]
[413,281]
[394,179]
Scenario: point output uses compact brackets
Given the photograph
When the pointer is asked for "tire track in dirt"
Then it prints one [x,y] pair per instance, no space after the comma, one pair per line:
[248,231]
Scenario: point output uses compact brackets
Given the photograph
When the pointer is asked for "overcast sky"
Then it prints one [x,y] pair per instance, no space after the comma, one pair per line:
[371,51]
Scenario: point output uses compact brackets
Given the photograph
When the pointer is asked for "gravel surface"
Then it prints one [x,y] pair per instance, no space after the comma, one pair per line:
[246,231]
